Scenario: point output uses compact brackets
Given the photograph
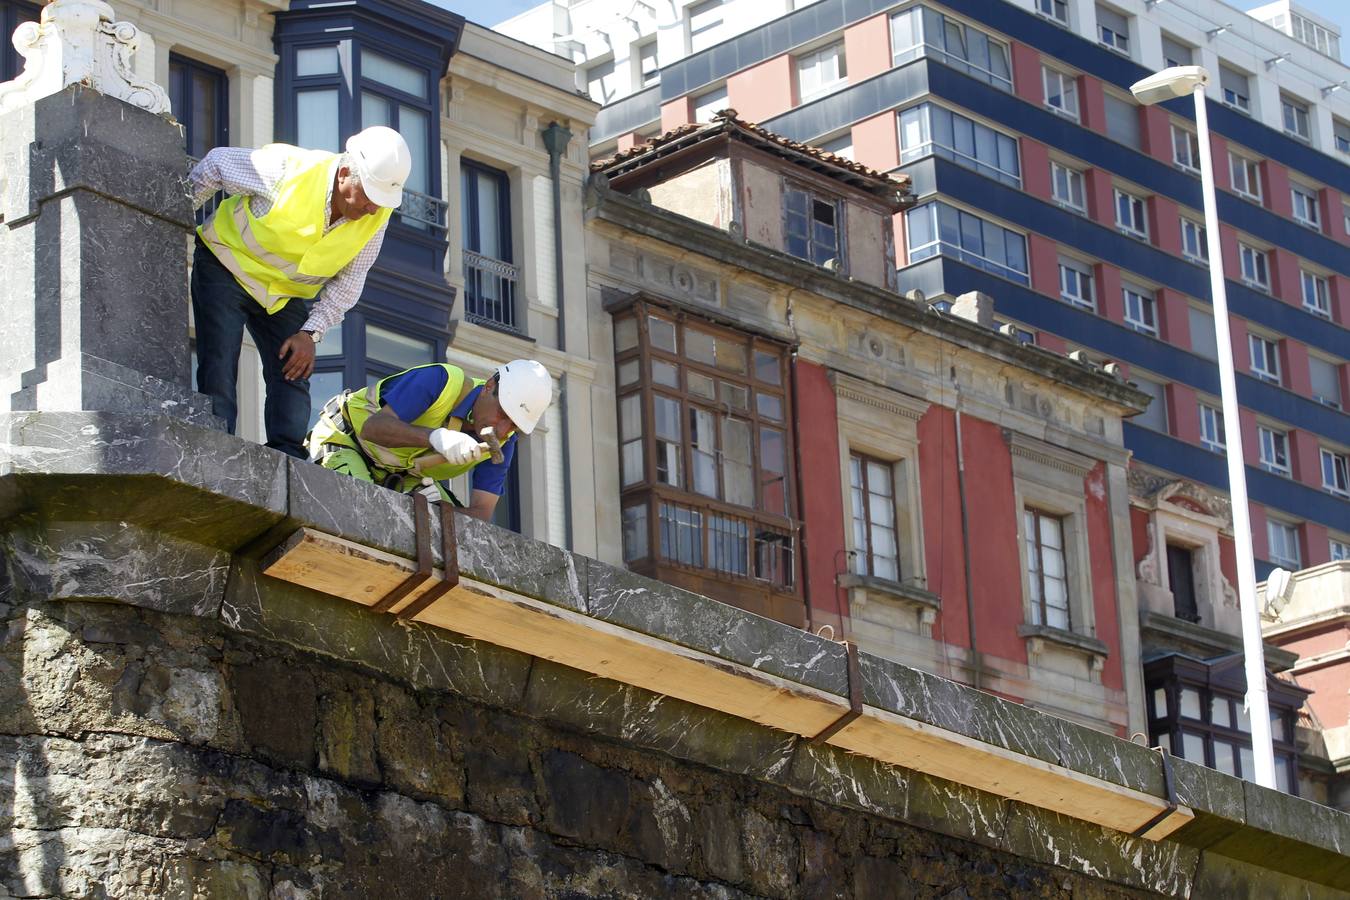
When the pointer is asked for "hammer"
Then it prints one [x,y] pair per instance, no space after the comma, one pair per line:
[489,436]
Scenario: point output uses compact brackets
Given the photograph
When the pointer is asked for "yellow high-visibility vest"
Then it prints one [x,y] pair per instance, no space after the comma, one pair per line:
[286,253]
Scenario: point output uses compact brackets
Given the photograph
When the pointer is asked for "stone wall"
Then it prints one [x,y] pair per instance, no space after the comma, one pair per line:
[174,724]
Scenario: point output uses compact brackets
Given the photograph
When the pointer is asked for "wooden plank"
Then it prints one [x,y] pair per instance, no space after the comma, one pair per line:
[361,574]
[480,611]
[894,739]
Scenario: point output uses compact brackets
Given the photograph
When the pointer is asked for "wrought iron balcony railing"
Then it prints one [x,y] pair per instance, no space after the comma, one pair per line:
[490,292]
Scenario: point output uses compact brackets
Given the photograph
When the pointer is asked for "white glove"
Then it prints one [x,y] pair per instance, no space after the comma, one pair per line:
[458,448]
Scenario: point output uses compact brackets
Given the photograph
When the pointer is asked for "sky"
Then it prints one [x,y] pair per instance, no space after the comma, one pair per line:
[490,12]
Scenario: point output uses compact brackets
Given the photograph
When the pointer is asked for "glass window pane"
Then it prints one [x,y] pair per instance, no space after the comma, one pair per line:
[412,124]
[1190,704]
[395,74]
[628,372]
[667,413]
[665,373]
[662,333]
[737,480]
[774,492]
[630,417]
[1159,703]
[1218,712]
[322,387]
[735,396]
[331,345]
[374,110]
[1248,766]
[1193,747]
[766,368]
[1224,758]
[703,446]
[769,406]
[699,346]
[625,334]
[702,386]
[399,350]
[1051,535]
[316,61]
[317,120]
[634,532]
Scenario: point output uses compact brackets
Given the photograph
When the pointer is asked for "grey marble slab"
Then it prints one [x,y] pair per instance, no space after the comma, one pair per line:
[690,620]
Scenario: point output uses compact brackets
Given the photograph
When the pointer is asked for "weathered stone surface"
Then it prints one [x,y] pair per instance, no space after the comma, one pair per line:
[1221,876]
[693,621]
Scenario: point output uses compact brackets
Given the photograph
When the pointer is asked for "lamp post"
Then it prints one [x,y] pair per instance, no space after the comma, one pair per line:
[1170,84]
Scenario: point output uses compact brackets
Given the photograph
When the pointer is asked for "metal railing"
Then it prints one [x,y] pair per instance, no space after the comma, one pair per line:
[490,291]
[736,546]
[423,210]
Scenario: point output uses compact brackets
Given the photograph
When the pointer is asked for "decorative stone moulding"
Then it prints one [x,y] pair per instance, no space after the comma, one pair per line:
[77,42]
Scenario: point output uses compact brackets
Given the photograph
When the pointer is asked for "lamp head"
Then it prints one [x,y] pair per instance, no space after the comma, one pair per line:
[1169,84]
[1279,591]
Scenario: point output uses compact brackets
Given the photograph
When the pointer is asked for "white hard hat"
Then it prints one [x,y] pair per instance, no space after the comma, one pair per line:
[524,391]
[382,161]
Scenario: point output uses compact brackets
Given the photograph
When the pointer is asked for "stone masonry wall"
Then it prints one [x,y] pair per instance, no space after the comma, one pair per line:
[151,755]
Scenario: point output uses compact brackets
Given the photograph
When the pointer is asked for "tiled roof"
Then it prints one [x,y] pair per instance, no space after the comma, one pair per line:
[726,122]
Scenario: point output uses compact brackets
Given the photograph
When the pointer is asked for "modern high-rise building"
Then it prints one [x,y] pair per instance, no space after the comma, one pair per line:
[1041,182]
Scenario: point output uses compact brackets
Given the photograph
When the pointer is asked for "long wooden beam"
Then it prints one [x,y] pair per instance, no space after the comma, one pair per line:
[483,612]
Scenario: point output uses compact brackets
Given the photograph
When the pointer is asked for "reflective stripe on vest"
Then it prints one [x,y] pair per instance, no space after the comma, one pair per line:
[419,461]
[266,255]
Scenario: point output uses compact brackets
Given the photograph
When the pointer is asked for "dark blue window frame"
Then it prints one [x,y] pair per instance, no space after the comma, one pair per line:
[480,306]
[184,75]
[13,13]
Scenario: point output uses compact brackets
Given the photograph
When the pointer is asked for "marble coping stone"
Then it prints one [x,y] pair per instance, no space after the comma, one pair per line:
[161,473]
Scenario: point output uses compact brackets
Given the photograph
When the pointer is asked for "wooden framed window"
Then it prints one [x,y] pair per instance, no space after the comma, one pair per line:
[872,493]
[706,468]
[1047,569]
[811,226]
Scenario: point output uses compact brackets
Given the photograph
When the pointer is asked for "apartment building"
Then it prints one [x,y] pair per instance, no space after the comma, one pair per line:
[491,123]
[1041,182]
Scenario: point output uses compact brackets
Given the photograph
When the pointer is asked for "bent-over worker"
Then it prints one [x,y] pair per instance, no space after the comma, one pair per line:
[425,425]
[297,224]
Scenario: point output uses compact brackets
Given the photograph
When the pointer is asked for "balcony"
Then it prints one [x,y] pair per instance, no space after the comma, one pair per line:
[490,292]
[422,211]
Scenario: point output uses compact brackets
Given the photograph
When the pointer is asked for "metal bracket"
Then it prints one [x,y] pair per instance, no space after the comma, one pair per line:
[449,555]
[1169,783]
[855,697]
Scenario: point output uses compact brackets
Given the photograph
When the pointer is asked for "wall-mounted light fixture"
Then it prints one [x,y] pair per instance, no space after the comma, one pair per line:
[1276,60]
[1330,89]
[1215,32]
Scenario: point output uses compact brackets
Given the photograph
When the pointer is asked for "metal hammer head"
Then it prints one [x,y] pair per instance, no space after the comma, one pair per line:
[489,437]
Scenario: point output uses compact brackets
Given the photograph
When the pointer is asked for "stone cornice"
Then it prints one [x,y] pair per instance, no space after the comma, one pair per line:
[849,388]
[1045,454]
[578,110]
[633,216]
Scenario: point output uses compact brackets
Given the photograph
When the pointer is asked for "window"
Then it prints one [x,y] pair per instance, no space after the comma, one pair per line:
[1345,216]
[926,32]
[489,275]
[821,72]
[811,227]
[1131,217]
[199,95]
[1181,579]
[1212,435]
[938,228]
[1339,549]
[1316,294]
[1246,176]
[705,452]
[1113,30]
[318,82]
[649,67]
[1235,90]
[709,104]
[1204,340]
[1194,241]
[1255,266]
[1176,53]
[1057,10]
[1284,549]
[1341,135]
[1061,92]
[396,94]
[704,21]
[1197,711]
[1141,308]
[1295,115]
[1046,570]
[602,83]
[1122,121]
[872,490]
[1185,149]
[1066,187]
[1155,417]
[1306,210]
[1265,358]
[1075,284]
[12,15]
[1314,35]
[1335,474]
[1326,385]
[1274,450]
[930,129]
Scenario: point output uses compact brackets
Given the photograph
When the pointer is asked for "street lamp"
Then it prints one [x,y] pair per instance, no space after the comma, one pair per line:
[1170,84]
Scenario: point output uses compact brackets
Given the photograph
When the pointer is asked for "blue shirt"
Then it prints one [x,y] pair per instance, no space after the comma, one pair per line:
[409,394]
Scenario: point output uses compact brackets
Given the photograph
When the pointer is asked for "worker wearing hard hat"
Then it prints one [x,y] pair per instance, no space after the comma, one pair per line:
[296,225]
[427,424]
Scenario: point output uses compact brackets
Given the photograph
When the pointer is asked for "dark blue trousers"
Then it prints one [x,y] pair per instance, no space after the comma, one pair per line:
[222,310]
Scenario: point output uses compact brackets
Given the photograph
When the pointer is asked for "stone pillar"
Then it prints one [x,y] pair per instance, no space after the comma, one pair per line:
[94,210]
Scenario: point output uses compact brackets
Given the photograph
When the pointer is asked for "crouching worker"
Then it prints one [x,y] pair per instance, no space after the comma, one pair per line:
[425,425]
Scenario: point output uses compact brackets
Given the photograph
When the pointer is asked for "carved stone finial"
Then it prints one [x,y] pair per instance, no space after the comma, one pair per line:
[77,42]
